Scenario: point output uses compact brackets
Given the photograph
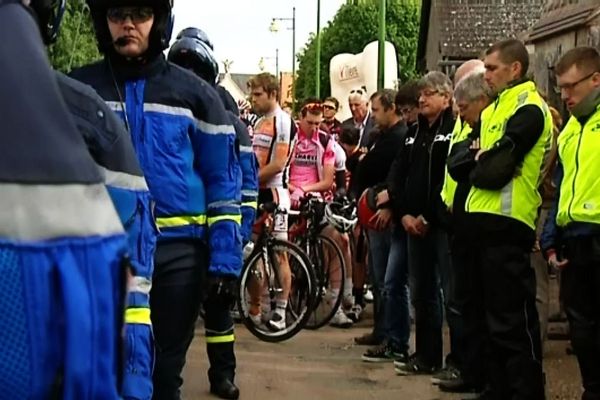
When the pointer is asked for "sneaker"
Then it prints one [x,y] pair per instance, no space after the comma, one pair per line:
[449,374]
[460,386]
[340,320]
[256,319]
[368,296]
[484,395]
[355,312]
[277,322]
[381,353]
[402,361]
[235,316]
[367,340]
[415,367]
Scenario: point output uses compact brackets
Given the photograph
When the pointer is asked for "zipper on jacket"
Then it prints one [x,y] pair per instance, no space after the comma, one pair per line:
[569,209]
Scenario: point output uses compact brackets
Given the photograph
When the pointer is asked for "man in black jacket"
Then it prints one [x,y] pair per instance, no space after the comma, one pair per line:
[417,180]
[371,173]
[387,243]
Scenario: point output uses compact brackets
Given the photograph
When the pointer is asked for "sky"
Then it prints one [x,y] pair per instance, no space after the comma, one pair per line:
[240,32]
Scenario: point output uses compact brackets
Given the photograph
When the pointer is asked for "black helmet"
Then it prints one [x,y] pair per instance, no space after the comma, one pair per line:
[195,55]
[196,33]
[160,35]
[49,14]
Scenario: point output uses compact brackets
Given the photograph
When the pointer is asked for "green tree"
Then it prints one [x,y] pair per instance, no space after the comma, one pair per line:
[354,26]
[76,43]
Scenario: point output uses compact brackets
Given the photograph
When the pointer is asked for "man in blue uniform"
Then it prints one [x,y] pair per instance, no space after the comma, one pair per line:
[61,243]
[110,146]
[193,53]
[184,141]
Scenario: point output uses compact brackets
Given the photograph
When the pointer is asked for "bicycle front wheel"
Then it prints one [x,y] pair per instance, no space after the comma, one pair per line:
[260,288]
[330,270]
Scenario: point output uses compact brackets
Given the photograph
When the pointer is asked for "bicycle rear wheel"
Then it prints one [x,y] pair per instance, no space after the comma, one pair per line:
[330,270]
[255,278]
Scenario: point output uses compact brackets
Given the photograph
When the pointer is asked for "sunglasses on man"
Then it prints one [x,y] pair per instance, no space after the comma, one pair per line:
[361,91]
[137,15]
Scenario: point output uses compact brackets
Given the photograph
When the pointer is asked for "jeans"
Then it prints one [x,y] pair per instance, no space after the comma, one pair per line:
[429,271]
[397,318]
[379,251]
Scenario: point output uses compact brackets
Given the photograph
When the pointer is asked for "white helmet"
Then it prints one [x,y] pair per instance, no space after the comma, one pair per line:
[341,217]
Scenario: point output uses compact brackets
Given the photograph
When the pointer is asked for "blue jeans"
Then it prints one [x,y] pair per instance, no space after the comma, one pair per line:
[429,271]
[379,251]
[397,318]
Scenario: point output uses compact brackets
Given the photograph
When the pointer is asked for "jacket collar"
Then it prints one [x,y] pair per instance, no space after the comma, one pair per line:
[136,69]
[444,117]
[588,106]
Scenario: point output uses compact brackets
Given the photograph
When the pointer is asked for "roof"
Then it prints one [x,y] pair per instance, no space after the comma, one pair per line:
[468,27]
[563,19]
[241,80]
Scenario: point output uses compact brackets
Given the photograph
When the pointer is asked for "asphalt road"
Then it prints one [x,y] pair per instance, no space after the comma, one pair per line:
[325,364]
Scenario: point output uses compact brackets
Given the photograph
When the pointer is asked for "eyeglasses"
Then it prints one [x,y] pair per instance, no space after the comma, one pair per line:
[429,93]
[138,15]
[570,86]
[362,91]
[328,107]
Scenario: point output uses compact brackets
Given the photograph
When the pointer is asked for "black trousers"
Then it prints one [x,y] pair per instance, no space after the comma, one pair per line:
[461,294]
[177,292]
[501,321]
[580,289]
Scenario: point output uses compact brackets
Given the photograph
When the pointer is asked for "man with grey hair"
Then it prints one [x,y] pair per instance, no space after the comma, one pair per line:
[358,101]
[471,96]
[416,184]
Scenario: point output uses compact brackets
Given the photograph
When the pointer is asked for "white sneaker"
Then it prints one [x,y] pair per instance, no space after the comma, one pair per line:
[368,296]
[256,319]
[340,320]
[277,322]
[355,312]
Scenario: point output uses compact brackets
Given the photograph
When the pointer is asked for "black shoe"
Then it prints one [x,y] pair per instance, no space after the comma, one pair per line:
[367,340]
[382,353]
[459,386]
[485,395]
[415,367]
[225,389]
[448,375]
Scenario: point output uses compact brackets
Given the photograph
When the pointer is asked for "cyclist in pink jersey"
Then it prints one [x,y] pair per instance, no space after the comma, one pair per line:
[312,170]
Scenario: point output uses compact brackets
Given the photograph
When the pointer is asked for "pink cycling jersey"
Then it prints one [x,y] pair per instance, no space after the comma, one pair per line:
[309,158]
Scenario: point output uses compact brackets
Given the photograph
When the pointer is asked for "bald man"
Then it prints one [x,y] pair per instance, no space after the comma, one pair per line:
[457,377]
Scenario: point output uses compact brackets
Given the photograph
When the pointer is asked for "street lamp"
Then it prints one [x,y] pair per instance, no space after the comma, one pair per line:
[381,47]
[261,62]
[318,58]
[274,27]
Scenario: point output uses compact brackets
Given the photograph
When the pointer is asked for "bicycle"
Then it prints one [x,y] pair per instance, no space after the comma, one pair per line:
[324,253]
[261,271]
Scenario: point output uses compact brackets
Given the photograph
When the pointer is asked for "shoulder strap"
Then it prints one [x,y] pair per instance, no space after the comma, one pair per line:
[324,138]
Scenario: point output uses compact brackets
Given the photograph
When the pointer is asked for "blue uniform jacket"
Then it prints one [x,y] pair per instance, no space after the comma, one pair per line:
[249,177]
[185,144]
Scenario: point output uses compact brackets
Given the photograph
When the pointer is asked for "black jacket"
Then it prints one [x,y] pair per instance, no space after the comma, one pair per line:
[417,175]
[373,169]
[365,139]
